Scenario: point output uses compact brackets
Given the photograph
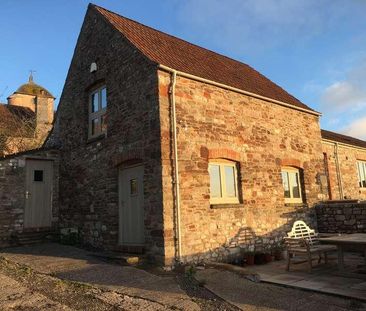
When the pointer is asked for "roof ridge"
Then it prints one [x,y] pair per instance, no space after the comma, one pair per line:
[170,35]
[342,138]
[341,134]
[228,63]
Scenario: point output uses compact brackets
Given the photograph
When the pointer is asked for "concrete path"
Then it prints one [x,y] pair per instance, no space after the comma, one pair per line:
[78,265]
[14,296]
[325,278]
[247,295]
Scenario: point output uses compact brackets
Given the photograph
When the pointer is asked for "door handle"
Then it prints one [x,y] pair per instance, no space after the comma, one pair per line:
[27,194]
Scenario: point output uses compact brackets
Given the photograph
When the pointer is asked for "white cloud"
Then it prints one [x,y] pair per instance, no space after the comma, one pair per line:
[344,95]
[357,128]
[345,101]
[348,95]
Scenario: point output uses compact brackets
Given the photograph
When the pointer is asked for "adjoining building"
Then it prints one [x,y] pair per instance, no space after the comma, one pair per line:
[26,120]
[345,163]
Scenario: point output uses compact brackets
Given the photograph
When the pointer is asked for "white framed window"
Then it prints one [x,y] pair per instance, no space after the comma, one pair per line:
[223,182]
[291,185]
[361,167]
[97,112]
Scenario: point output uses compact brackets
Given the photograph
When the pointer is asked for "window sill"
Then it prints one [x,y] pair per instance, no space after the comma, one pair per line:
[96,138]
[227,205]
[300,205]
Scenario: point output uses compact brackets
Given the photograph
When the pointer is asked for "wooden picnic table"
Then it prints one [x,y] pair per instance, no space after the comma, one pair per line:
[343,242]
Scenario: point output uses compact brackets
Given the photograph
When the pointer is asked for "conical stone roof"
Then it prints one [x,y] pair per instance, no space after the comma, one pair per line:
[31,88]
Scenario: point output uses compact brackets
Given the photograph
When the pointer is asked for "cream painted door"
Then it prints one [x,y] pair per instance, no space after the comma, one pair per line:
[131,206]
[38,195]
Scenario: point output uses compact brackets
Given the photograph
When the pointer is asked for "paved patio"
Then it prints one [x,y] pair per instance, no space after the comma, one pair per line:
[325,278]
[252,296]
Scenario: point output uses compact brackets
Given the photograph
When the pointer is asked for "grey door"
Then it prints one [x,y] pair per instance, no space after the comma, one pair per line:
[38,195]
[131,206]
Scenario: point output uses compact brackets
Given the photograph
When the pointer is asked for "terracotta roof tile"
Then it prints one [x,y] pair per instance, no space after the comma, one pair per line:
[343,138]
[16,119]
[183,56]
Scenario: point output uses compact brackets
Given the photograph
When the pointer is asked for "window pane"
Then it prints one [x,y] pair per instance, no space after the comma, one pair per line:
[359,170]
[215,181]
[95,126]
[103,123]
[362,173]
[133,186]
[294,183]
[286,185]
[103,94]
[38,175]
[230,181]
[94,102]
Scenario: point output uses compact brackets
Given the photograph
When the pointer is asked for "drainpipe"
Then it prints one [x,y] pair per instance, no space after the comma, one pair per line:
[339,174]
[176,167]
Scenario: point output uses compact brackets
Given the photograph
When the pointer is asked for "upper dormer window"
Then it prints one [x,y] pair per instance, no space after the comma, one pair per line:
[97,112]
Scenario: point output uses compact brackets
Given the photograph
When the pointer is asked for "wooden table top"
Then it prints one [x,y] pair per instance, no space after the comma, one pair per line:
[354,238]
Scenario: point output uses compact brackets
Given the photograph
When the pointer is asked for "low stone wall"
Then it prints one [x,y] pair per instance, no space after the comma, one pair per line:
[260,237]
[341,217]
[12,193]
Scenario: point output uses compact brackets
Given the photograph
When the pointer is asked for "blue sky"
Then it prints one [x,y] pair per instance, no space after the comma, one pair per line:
[315,49]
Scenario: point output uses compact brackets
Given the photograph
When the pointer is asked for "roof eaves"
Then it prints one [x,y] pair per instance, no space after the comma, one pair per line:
[228,87]
[333,137]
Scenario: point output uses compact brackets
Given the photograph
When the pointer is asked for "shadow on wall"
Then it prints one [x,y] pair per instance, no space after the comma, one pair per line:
[246,240]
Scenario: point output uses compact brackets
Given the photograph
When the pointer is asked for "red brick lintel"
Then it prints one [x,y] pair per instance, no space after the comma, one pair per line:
[292,162]
[223,153]
[128,157]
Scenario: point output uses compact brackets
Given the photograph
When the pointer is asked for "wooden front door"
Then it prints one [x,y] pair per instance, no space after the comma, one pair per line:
[131,206]
[38,195]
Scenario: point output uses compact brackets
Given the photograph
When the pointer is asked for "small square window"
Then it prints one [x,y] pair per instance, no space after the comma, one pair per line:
[133,186]
[38,175]
[223,182]
[291,185]
[361,166]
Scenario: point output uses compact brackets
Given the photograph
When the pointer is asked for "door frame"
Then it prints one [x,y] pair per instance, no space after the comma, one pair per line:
[132,245]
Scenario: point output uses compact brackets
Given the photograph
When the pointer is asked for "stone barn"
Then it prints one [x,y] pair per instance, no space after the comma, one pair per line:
[170,149]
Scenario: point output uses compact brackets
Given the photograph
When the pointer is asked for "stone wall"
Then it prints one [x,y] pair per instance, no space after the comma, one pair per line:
[89,167]
[341,217]
[12,193]
[261,137]
[348,157]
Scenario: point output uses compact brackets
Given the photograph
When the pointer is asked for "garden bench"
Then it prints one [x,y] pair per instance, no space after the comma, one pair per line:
[303,241]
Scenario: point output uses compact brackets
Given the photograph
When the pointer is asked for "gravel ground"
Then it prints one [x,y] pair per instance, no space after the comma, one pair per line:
[203,297]
[21,288]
